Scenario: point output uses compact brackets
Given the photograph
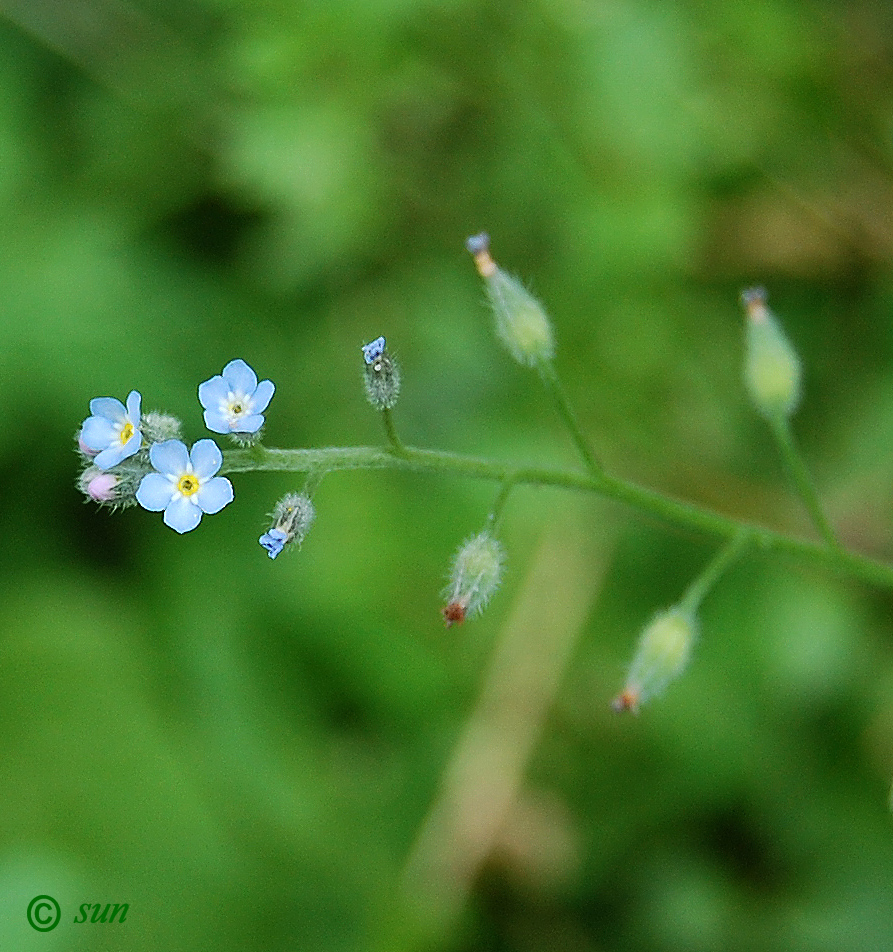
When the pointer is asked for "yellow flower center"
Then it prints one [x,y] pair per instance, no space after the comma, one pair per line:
[126,432]
[188,484]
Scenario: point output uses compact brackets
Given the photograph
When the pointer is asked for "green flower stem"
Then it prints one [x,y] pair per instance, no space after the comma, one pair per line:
[694,594]
[671,510]
[312,483]
[496,512]
[553,385]
[796,468]
[391,430]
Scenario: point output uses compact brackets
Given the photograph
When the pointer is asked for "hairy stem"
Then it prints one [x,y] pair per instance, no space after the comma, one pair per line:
[796,469]
[695,592]
[553,385]
[673,511]
[391,431]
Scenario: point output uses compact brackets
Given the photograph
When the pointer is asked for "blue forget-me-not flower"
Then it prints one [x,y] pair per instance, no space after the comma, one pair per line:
[184,485]
[373,350]
[113,431]
[234,401]
[292,518]
[273,540]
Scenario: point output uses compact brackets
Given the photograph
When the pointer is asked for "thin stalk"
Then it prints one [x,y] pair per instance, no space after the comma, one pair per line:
[694,594]
[391,431]
[553,385]
[796,469]
[496,512]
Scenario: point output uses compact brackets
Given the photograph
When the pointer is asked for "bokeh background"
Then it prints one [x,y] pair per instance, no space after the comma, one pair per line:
[295,755]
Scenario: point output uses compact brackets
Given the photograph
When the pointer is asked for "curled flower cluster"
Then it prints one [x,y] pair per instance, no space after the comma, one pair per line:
[134,458]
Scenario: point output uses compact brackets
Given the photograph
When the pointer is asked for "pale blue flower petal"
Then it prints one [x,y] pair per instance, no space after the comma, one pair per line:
[240,377]
[206,458]
[373,350]
[251,424]
[134,400]
[109,457]
[215,494]
[170,457]
[118,451]
[213,392]
[262,396]
[133,444]
[216,422]
[274,541]
[108,407]
[98,432]
[155,492]
[182,514]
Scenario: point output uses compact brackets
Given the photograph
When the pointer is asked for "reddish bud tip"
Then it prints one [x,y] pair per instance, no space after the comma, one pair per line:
[754,301]
[479,246]
[626,701]
[453,614]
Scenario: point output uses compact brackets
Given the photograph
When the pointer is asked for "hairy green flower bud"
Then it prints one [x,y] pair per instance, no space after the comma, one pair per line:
[772,367]
[292,518]
[158,427]
[662,655]
[521,322]
[474,577]
[381,375]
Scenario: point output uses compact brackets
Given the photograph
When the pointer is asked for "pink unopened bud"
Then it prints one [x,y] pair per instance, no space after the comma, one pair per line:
[102,487]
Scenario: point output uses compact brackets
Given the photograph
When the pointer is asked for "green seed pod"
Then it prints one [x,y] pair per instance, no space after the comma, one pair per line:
[475,575]
[521,322]
[662,655]
[772,367]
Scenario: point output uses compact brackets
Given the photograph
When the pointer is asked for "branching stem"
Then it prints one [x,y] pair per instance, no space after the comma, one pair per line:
[674,511]
[553,385]
[796,469]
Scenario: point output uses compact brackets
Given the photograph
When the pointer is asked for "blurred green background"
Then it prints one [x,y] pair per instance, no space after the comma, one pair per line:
[295,755]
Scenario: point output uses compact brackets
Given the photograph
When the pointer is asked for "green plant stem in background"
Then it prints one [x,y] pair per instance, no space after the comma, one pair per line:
[671,510]
[391,430]
[553,385]
[796,468]
[694,594]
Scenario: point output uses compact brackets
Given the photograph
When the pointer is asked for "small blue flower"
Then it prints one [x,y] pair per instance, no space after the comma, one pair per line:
[292,518]
[185,486]
[273,540]
[234,401]
[113,431]
[373,350]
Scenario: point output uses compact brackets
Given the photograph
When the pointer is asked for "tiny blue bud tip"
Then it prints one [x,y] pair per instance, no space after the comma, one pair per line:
[274,541]
[751,296]
[373,350]
[478,243]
